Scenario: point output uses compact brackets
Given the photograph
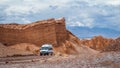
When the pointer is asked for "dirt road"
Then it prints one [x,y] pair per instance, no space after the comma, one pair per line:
[23,59]
[101,60]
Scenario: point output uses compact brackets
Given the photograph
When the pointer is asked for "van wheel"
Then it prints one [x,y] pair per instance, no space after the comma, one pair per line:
[47,54]
[50,54]
[41,54]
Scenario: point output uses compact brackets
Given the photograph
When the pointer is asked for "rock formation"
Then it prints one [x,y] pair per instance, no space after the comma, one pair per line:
[114,46]
[97,43]
[51,31]
[102,44]
[30,37]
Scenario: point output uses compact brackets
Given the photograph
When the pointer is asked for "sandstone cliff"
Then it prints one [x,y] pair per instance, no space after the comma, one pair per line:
[30,37]
[51,31]
[72,45]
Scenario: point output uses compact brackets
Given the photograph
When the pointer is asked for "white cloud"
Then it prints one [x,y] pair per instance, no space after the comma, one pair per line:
[103,2]
[88,13]
[113,2]
[25,20]
[3,1]
[26,6]
[17,9]
[76,23]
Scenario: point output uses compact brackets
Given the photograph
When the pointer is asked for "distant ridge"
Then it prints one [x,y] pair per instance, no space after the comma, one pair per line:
[85,32]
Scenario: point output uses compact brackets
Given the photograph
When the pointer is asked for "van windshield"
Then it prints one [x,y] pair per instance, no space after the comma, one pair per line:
[44,48]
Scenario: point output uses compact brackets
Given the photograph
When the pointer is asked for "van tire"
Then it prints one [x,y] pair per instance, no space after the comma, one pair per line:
[41,54]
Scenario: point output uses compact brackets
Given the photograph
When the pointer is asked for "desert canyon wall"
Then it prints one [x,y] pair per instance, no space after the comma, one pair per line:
[51,31]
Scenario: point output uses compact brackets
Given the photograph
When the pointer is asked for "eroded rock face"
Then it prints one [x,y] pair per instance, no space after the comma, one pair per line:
[114,46]
[51,31]
[102,44]
[97,43]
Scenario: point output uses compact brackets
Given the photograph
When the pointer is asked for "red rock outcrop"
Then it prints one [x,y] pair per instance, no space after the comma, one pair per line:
[114,46]
[51,31]
[97,43]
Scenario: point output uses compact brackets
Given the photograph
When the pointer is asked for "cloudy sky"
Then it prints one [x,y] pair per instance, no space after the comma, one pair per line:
[82,13]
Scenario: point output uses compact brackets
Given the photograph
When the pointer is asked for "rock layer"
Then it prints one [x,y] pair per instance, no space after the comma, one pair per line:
[114,46]
[102,44]
[51,31]
[97,43]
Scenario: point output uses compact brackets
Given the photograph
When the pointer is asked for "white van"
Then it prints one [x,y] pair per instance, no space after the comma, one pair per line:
[46,49]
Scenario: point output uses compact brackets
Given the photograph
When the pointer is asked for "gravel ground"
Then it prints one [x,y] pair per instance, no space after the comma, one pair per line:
[101,60]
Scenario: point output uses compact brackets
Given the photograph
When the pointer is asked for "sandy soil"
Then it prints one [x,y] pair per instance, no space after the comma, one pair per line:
[101,60]
[86,58]
[7,51]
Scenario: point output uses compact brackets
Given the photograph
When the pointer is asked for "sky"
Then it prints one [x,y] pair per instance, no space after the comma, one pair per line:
[78,13]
